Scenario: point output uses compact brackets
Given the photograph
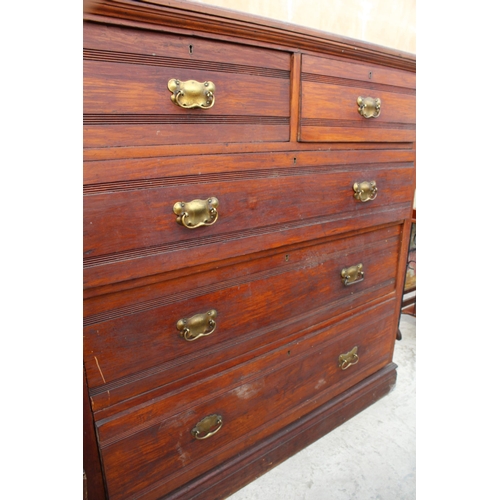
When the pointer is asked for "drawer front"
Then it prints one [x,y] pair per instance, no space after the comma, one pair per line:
[141,346]
[330,110]
[138,221]
[127,100]
[152,450]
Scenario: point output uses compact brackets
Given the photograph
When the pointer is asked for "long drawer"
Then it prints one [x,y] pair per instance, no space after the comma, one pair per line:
[139,90]
[140,346]
[239,212]
[353,102]
[151,450]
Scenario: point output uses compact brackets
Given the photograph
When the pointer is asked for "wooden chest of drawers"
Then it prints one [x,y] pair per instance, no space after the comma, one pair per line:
[248,194]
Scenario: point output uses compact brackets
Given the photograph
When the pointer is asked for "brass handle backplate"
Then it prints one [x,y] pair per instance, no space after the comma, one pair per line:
[199,325]
[349,358]
[369,107]
[197,213]
[352,275]
[365,191]
[192,94]
[207,427]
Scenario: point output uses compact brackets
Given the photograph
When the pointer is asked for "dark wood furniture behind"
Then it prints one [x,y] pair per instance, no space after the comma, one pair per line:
[248,192]
[409,304]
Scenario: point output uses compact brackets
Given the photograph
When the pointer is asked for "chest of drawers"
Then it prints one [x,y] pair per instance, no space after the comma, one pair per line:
[248,193]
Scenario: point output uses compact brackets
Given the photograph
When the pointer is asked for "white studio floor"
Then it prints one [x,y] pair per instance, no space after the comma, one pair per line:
[370,457]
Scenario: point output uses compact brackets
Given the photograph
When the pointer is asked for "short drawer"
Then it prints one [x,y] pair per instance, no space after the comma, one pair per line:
[152,449]
[353,102]
[232,314]
[131,97]
[129,223]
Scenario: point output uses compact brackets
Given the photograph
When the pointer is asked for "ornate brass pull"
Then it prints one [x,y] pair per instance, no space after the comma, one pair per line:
[197,213]
[199,325]
[365,191]
[353,274]
[207,427]
[192,94]
[369,107]
[349,358]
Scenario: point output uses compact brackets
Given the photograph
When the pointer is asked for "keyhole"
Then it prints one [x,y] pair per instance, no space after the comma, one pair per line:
[370,75]
[190,49]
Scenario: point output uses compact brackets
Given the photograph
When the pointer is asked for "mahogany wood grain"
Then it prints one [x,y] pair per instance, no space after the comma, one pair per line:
[120,425]
[140,91]
[354,73]
[295,74]
[280,149]
[121,41]
[336,103]
[202,163]
[141,216]
[141,388]
[124,216]
[330,113]
[101,154]
[338,132]
[168,14]
[132,339]
[238,268]
[126,100]
[255,407]
[266,454]
[165,133]
[123,267]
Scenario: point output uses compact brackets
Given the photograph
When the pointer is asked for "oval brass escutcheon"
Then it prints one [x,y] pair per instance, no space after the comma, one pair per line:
[199,325]
[197,213]
[353,274]
[365,191]
[349,358]
[192,94]
[207,427]
[369,107]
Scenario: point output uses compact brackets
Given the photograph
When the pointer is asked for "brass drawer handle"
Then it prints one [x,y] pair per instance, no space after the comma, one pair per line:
[199,325]
[192,94]
[197,213]
[349,358]
[369,107]
[365,191]
[207,427]
[353,274]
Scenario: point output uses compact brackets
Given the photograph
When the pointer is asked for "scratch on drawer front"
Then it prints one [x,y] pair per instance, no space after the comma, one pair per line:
[99,368]
[183,456]
[320,383]
[246,391]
